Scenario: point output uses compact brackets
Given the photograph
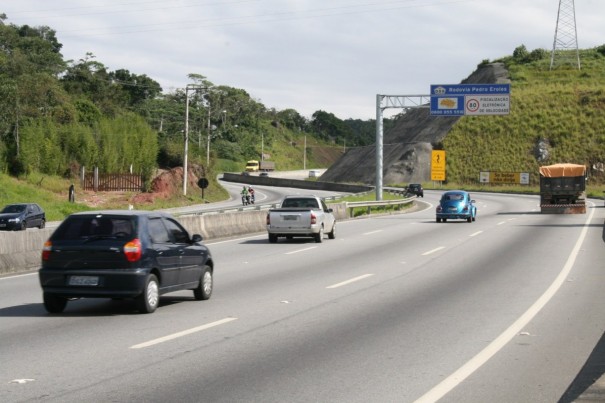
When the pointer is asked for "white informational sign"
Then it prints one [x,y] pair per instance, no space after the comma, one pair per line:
[487,104]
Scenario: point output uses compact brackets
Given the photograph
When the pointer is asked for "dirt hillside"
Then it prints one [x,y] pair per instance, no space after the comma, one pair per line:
[407,147]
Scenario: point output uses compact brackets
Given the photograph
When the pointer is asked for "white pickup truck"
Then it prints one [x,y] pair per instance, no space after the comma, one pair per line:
[301,216]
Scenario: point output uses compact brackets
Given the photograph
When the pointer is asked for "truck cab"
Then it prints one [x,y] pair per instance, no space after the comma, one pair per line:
[252,166]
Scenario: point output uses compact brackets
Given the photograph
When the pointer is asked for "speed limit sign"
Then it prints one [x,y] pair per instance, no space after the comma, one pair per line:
[472,105]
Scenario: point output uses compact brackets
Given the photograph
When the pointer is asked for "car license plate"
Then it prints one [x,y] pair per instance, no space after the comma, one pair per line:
[2,225]
[84,280]
[290,217]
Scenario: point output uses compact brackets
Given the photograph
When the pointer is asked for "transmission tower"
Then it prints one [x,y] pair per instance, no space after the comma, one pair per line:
[566,36]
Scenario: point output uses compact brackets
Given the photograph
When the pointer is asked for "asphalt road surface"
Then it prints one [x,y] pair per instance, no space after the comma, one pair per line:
[397,308]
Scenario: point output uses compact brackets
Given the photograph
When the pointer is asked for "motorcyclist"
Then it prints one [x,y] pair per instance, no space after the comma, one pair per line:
[245,196]
[251,193]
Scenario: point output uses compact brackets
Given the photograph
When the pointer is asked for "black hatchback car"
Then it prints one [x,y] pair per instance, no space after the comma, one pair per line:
[123,254]
[20,216]
[415,189]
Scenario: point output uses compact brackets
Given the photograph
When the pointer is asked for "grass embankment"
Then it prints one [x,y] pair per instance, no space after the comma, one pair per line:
[556,116]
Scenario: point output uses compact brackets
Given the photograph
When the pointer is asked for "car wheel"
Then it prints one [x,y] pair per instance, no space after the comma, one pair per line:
[332,234]
[204,288]
[319,237]
[469,219]
[149,300]
[54,303]
[444,219]
[23,226]
[438,219]
[42,224]
[272,238]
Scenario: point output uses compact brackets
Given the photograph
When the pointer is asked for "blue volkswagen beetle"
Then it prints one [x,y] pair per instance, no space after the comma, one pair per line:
[456,204]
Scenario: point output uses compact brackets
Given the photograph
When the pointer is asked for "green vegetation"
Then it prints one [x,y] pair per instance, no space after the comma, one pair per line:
[562,110]
[58,116]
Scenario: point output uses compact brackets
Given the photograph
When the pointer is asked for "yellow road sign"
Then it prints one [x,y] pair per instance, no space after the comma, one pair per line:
[438,165]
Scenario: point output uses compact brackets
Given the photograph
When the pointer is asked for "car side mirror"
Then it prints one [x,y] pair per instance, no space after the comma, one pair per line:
[196,238]
[330,210]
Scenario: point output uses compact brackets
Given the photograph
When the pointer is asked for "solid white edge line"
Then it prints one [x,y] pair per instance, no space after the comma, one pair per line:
[349,281]
[183,333]
[488,352]
[476,233]
[433,250]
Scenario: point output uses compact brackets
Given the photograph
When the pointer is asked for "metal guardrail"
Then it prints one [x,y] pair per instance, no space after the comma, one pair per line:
[250,207]
[350,206]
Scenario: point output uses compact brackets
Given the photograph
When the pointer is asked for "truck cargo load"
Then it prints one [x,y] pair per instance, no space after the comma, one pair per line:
[562,189]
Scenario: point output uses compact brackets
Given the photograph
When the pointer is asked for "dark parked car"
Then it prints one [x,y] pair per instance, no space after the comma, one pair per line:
[415,189]
[20,216]
[123,254]
[456,204]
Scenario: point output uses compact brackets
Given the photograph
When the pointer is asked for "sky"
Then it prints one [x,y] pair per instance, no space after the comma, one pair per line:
[307,55]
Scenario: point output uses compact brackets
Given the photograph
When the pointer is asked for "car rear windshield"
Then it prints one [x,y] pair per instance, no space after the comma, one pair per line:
[454,196]
[302,202]
[91,226]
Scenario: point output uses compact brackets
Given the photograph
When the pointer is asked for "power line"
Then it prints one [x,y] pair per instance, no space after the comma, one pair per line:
[279,16]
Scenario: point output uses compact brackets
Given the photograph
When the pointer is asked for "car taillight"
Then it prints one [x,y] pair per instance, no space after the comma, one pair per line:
[465,208]
[313,218]
[46,249]
[439,209]
[133,250]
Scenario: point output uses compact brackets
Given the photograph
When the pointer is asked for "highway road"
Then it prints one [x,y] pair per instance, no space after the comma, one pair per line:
[397,308]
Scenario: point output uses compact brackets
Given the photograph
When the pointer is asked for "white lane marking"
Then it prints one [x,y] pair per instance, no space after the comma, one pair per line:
[350,281]
[183,333]
[236,239]
[488,352]
[300,250]
[476,233]
[501,222]
[433,250]
[371,232]
[18,275]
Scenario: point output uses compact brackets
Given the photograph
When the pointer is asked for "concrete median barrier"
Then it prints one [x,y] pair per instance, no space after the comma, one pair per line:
[20,251]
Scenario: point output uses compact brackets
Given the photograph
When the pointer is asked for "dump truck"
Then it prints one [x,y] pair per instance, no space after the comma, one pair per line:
[563,189]
[262,166]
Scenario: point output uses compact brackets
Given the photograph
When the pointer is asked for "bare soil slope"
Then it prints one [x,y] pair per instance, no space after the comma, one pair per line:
[407,147]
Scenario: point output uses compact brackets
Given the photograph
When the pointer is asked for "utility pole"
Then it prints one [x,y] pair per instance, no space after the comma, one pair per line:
[305,154]
[188,87]
[566,35]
